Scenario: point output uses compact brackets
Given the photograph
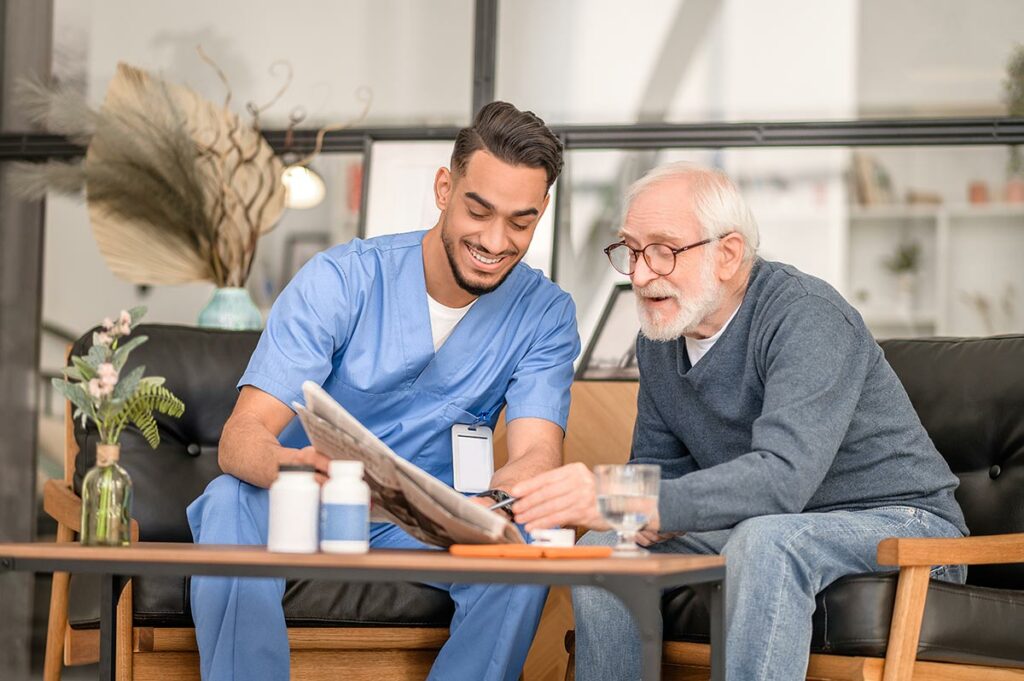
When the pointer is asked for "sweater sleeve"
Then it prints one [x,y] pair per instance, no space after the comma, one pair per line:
[813,365]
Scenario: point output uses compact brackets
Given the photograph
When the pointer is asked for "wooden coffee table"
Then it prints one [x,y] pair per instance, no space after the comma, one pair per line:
[638,582]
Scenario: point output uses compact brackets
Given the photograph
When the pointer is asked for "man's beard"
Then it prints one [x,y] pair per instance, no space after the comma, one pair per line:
[693,310]
[466,285]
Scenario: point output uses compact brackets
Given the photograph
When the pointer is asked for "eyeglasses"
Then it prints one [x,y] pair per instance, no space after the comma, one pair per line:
[661,258]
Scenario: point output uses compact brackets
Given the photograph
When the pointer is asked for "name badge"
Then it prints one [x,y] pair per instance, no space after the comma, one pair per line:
[472,457]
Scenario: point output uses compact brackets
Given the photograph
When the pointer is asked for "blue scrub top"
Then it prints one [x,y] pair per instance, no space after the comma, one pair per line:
[355,320]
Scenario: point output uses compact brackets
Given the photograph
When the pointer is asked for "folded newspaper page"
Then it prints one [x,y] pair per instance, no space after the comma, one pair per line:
[401,492]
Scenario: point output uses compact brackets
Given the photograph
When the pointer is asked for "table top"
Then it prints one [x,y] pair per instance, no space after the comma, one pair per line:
[189,558]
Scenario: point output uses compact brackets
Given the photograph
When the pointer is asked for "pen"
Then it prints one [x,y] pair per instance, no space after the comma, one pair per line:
[503,504]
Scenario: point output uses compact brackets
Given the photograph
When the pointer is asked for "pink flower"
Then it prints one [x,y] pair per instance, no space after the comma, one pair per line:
[107,376]
[108,323]
[105,339]
[124,323]
[96,389]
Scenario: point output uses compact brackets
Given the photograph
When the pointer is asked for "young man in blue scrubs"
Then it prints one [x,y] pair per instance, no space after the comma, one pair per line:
[412,333]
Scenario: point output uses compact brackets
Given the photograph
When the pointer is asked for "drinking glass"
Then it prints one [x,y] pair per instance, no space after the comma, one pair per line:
[627,497]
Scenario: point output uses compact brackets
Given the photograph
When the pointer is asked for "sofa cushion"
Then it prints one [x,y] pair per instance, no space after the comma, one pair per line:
[964,624]
[164,602]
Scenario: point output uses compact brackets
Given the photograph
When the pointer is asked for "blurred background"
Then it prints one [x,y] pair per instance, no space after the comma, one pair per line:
[873,139]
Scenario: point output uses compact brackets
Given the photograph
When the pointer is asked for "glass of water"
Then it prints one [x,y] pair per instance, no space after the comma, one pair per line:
[627,497]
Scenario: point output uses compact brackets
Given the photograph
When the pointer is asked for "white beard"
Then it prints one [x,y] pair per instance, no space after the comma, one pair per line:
[693,310]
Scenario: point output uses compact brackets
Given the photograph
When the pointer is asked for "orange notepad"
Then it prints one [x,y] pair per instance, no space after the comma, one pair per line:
[528,551]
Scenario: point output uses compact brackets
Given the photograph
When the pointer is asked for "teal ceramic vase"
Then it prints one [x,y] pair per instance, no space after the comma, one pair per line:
[231,308]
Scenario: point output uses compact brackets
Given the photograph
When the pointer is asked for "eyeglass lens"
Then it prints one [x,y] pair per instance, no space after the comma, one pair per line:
[660,258]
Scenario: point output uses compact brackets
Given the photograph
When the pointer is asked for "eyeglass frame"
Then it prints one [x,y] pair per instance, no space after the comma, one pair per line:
[637,252]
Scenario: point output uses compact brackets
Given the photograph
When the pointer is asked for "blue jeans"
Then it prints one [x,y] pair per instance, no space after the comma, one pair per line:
[775,566]
[240,625]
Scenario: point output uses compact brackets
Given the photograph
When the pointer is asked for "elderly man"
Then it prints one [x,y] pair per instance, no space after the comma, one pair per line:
[785,440]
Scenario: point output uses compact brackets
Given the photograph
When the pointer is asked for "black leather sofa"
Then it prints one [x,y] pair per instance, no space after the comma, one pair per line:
[968,392]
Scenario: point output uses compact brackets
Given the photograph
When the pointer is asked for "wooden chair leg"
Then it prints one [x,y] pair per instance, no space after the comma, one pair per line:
[905,631]
[124,634]
[53,662]
[56,624]
[570,647]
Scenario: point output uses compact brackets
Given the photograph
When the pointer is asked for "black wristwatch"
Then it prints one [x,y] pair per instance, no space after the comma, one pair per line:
[498,496]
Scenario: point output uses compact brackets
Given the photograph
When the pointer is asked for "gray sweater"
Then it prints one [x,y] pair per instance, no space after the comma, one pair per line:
[793,409]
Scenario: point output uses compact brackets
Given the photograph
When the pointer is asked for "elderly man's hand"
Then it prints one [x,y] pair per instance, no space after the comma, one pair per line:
[647,536]
[563,496]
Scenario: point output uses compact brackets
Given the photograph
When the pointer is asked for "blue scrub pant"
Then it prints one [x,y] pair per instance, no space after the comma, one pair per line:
[240,625]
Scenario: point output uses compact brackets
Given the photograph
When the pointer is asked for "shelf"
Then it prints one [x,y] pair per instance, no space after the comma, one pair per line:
[895,212]
[925,212]
[988,210]
[890,319]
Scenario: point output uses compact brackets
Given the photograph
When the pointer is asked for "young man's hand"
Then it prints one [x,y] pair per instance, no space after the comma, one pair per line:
[307,456]
[563,496]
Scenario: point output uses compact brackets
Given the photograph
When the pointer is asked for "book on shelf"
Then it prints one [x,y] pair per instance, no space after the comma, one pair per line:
[871,181]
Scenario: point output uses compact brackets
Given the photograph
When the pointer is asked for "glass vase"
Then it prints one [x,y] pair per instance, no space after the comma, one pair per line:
[231,308]
[106,501]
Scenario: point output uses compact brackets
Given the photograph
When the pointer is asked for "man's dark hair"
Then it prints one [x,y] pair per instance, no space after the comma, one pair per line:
[513,136]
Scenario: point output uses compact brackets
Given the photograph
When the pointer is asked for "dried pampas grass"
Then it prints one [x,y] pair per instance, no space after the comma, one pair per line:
[178,189]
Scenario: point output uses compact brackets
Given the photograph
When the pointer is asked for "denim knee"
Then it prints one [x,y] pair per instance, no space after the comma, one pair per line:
[591,604]
[758,535]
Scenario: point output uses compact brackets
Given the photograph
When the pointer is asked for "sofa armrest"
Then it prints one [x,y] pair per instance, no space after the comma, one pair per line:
[909,552]
[62,504]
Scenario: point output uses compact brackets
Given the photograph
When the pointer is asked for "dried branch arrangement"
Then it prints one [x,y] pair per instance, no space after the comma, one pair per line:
[178,189]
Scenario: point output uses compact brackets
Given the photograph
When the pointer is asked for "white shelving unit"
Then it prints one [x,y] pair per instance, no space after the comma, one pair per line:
[971,275]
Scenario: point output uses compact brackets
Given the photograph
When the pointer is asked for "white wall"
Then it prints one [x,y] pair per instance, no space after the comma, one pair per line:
[941,57]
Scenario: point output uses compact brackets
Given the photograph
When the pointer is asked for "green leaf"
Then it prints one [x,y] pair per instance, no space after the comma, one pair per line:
[121,354]
[139,411]
[72,373]
[137,313]
[86,370]
[146,424]
[153,381]
[127,385]
[97,356]
[76,394]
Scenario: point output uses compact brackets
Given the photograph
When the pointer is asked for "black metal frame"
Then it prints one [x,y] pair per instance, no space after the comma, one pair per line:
[485,52]
[26,146]
[640,594]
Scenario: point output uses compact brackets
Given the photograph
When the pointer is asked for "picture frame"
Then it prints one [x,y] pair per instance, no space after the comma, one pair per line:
[610,354]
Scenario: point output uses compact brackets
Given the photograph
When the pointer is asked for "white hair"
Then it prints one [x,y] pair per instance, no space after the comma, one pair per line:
[717,203]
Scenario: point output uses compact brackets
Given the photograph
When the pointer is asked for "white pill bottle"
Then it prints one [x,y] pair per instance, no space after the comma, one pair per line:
[294,511]
[345,510]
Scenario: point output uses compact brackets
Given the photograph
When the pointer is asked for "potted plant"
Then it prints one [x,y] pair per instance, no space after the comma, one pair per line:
[904,264]
[178,188]
[94,385]
[1013,93]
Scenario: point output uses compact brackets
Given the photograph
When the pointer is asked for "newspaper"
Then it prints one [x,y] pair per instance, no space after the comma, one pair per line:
[400,492]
